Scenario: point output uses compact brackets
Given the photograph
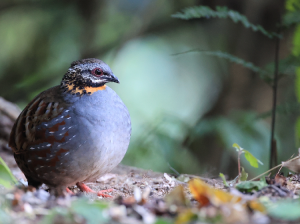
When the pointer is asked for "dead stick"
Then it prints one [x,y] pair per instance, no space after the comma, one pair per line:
[297,157]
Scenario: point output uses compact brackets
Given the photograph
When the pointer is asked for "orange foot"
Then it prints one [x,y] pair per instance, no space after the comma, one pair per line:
[85,188]
[69,191]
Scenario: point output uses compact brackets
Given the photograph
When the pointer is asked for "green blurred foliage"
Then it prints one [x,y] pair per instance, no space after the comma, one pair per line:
[291,61]
[7,179]
[250,186]
[80,211]
[293,7]
[287,209]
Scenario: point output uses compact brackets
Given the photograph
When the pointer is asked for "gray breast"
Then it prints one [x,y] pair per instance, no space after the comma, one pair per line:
[104,132]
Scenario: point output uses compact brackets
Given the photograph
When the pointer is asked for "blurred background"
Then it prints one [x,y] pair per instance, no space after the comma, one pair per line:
[187,109]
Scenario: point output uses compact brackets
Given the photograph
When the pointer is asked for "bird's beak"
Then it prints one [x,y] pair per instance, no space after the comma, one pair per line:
[112,78]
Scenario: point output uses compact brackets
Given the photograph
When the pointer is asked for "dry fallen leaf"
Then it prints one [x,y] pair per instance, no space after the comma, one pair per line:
[205,194]
[281,180]
[293,165]
[234,208]
[199,191]
[176,197]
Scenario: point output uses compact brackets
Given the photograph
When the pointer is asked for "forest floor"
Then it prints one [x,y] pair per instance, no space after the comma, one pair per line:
[144,196]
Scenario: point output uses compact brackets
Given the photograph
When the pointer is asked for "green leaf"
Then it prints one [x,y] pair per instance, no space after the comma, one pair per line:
[222,13]
[292,5]
[237,147]
[249,186]
[7,179]
[163,221]
[251,159]
[292,16]
[224,179]
[296,42]
[91,212]
[244,175]
[287,209]
[58,215]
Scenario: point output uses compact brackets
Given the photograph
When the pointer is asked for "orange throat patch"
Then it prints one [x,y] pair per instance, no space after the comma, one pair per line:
[85,90]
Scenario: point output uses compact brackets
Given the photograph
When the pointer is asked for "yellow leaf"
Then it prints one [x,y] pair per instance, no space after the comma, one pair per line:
[255,205]
[185,217]
[199,190]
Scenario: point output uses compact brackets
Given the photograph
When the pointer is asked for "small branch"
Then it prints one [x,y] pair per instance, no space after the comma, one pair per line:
[273,148]
[297,157]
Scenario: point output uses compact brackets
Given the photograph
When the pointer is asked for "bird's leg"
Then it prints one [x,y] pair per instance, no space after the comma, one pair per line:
[85,188]
[69,191]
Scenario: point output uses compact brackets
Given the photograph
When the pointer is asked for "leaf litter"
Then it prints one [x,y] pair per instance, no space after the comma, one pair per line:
[142,196]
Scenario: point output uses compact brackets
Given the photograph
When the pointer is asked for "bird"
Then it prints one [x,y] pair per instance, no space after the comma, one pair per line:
[73,132]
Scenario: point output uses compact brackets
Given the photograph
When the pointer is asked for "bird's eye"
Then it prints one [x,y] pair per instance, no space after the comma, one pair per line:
[97,72]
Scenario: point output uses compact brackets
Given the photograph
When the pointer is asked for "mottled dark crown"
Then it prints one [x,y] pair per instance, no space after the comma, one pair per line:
[86,61]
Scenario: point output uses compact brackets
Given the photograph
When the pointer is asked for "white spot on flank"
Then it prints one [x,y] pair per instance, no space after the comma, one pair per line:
[36,168]
[67,153]
[51,132]
[48,145]
[69,118]
[56,120]
[41,166]
[66,110]
[63,128]
[62,117]
[46,125]
[29,161]
[31,147]
[59,145]
[40,157]
[69,127]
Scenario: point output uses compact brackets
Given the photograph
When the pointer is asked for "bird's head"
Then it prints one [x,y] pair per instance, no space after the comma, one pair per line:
[87,76]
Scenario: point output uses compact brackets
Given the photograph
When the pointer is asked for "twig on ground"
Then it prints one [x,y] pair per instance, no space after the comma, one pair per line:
[297,157]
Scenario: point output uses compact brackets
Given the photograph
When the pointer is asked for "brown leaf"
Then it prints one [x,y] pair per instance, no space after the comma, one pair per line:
[281,180]
[176,197]
[293,165]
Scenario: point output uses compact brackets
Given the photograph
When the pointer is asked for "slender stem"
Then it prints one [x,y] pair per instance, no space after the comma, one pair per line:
[273,156]
[239,162]
[267,172]
[297,157]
